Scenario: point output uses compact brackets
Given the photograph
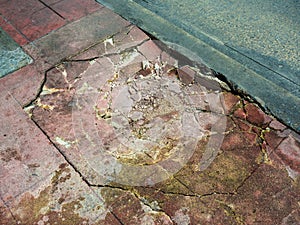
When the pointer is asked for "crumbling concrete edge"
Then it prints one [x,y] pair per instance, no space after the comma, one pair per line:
[274,99]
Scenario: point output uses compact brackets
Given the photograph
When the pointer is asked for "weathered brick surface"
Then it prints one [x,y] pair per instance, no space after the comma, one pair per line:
[13,32]
[75,9]
[41,23]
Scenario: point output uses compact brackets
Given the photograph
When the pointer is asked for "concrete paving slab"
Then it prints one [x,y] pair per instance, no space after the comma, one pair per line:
[27,21]
[19,12]
[31,18]
[254,45]
[41,23]
[27,156]
[62,198]
[85,32]
[12,57]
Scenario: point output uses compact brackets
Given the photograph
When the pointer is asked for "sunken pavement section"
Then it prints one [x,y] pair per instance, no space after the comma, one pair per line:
[110,127]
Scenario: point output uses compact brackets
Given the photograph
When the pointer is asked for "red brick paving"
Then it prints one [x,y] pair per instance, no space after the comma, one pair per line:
[74,9]
[41,23]
[19,13]
[13,32]
[46,178]
[29,20]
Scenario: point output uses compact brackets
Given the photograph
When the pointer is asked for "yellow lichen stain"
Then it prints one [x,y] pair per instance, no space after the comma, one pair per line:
[49,91]
[43,106]
[29,209]
[102,113]
[58,178]
[263,157]
[111,195]
[162,151]
[68,215]
[227,170]
[114,78]
[32,210]
[230,211]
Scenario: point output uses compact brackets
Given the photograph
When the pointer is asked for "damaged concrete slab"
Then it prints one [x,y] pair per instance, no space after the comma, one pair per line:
[254,45]
[144,138]
[113,127]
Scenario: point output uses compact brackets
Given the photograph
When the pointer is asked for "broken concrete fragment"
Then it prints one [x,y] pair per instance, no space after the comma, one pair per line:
[186,74]
[230,102]
[276,125]
[256,116]
[289,152]
[208,83]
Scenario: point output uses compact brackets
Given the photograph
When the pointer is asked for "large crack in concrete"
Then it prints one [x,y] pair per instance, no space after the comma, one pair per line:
[35,103]
[147,68]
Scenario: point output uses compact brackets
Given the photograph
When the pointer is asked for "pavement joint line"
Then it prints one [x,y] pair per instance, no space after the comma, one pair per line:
[198,195]
[176,178]
[117,218]
[16,29]
[243,182]
[104,55]
[69,58]
[280,142]
[62,154]
[49,7]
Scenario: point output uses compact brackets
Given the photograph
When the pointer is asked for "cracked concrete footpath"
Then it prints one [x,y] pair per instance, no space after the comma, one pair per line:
[108,126]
